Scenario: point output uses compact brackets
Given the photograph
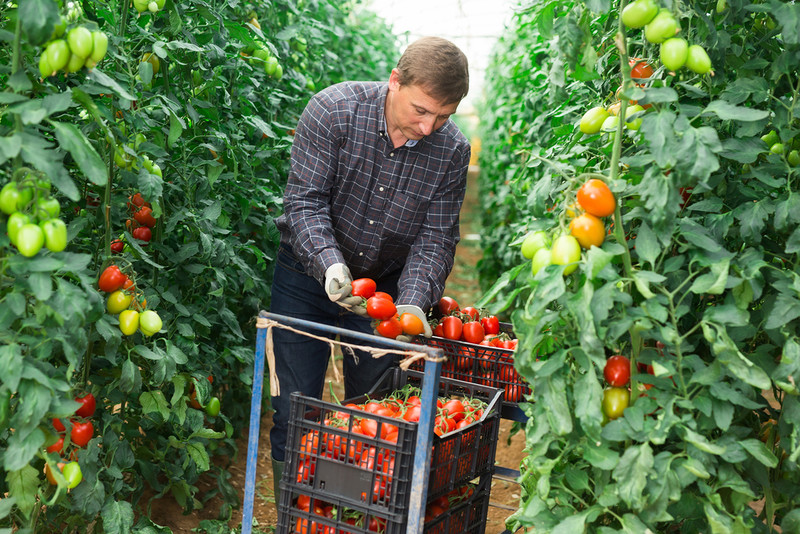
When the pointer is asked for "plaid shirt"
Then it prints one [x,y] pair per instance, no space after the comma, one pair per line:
[353,198]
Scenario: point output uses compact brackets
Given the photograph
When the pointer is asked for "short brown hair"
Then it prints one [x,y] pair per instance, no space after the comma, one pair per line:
[437,65]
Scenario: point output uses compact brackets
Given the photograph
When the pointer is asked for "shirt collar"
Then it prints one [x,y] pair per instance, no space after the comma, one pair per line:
[382,122]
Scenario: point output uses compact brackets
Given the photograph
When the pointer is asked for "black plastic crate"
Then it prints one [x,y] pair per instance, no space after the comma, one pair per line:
[480,364]
[465,516]
[370,475]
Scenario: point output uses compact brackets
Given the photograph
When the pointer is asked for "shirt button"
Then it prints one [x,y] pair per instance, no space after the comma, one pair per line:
[391,154]
[380,189]
[372,222]
[360,253]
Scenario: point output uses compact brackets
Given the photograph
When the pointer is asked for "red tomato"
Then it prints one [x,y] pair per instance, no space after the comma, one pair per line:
[617,371]
[438,331]
[512,393]
[137,201]
[57,446]
[303,503]
[640,68]
[58,425]
[145,216]
[81,433]
[363,287]
[305,471]
[491,324]
[454,408]
[143,233]
[380,308]
[471,311]
[88,404]
[309,443]
[117,246]
[383,295]
[111,279]
[472,332]
[447,305]
[390,328]
[452,327]
[596,198]
[412,414]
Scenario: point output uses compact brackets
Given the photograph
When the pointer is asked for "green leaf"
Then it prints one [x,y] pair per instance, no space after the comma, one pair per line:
[197,452]
[155,355]
[38,18]
[23,485]
[154,401]
[553,394]
[588,399]
[700,441]
[72,139]
[752,217]
[741,150]
[598,258]
[631,474]
[572,524]
[647,246]
[785,308]
[176,127]
[10,147]
[760,452]
[99,77]
[788,16]
[22,446]
[714,282]
[729,112]
[600,455]
[117,517]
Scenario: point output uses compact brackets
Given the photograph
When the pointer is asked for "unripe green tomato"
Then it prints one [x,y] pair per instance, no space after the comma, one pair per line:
[140,5]
[156,170]
[152,7]
[299,43]
[9,198]
[99,46]
[55,234]
[610,124]
[118,301]
[721,5]
[80,42]
[278,72]
[697,60]
[674,52]
[615,400]
[542,258]
[44,66]
[793,158]
[262,54]
[310,85]
[149,323]
[770,138]
[30,240]
[566,250]
[777,148]
[633,124]
[270,65]
[160,3]
[639,13]
[129,322]
[592,120]
[72,473]
[533,242]
[16,221]
[74,64]
[662,27]
[25,195]
[57,54]
[47,208]
[122,158]
[213,407]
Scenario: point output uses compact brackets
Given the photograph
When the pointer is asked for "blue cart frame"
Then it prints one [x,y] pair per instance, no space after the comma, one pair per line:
[423,449]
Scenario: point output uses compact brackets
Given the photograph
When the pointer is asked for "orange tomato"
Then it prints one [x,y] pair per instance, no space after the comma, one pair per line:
[411,324]
[596,198]
[588,230]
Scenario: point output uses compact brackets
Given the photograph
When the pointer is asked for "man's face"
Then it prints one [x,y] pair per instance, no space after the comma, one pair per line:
[413,112]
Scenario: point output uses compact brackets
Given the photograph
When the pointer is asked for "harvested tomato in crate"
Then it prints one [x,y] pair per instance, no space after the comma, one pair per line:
[357,458]
[481,363]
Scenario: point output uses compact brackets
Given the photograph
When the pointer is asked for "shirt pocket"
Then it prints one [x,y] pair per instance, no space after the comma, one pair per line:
[404,218]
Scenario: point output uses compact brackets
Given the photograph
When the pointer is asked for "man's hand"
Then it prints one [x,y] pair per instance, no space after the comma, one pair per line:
[338,285]
[415,310]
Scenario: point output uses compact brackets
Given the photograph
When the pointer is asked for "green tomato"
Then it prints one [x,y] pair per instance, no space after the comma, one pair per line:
[213,407]
[777,148]
[278,72]
[639,13]
[566,250]
[262,54]
[299,43]
[80,42]
[59,29]
[55,234]
[141,5]
[794,158]
[542,258]
[30,240]
[16,221]
[610,124]
[152,7]
[149,323]
[662,27]
[271,65]
[697,60]
[57,54]
[770,138]
[160,3]
[615,400]
[74,64]
[633,124]
[533,242]
[593,119]
[99,46]
[674,52]
[129,322]
[9,198]
[73,474]
[118,301]
[44,66]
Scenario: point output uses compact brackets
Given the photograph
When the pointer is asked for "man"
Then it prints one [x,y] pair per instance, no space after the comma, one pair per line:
[377,178]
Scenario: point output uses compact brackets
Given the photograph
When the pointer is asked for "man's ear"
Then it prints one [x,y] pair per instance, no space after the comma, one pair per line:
[394,80]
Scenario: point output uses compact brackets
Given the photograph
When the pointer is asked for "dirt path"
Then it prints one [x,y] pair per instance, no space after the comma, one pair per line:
[463,286]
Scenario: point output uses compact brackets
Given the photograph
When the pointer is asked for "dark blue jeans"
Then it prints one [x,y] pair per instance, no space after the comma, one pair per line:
[301,362]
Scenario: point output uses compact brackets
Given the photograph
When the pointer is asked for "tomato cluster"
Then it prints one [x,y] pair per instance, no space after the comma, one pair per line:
[260,53]
[433,511]
[127,300]
[82,47]
[151,6]
[33,213]
[616,397]
[790,148]
[212,407]
[81,432]
[142,221]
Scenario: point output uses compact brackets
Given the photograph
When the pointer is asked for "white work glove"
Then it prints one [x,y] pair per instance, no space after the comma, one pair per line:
[338,285]
[415,310]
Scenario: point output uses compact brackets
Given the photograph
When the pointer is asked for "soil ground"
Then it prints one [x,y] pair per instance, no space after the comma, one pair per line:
[461,285]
